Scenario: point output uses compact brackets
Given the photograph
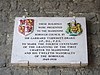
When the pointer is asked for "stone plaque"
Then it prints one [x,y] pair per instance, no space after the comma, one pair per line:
[50,41]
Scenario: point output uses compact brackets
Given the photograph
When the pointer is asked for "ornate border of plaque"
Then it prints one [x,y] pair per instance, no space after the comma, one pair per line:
[50,41]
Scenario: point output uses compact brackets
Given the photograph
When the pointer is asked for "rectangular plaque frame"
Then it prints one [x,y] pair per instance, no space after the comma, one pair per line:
[49,41]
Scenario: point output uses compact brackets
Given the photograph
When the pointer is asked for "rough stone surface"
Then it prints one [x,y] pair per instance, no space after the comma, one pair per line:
[38,71]
[54,71]
[2,61]
[20,71]
[9,9]
[68,71]
[5,71]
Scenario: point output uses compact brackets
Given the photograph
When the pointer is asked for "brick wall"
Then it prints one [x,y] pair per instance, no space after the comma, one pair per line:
[9,9]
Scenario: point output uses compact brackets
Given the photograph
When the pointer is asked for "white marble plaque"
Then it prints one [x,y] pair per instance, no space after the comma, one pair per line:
[50,41]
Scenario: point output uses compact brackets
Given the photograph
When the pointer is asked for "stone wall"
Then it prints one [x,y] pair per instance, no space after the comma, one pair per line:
[9,9]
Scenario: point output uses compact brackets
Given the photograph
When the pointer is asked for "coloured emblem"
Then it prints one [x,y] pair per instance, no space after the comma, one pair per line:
[26,26]
[74,28]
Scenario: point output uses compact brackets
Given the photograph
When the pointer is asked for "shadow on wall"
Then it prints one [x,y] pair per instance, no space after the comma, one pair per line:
[89,43]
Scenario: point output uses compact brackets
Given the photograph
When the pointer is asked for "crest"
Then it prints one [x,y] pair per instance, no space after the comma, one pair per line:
[26,26]
[74,28]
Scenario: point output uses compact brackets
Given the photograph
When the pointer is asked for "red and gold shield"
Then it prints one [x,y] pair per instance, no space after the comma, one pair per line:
[26,26]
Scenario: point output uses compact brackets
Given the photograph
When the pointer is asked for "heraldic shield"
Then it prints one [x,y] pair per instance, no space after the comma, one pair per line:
[26,26]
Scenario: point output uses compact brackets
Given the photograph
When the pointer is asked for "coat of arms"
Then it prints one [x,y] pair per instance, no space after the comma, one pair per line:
[26,26]
[74,28]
